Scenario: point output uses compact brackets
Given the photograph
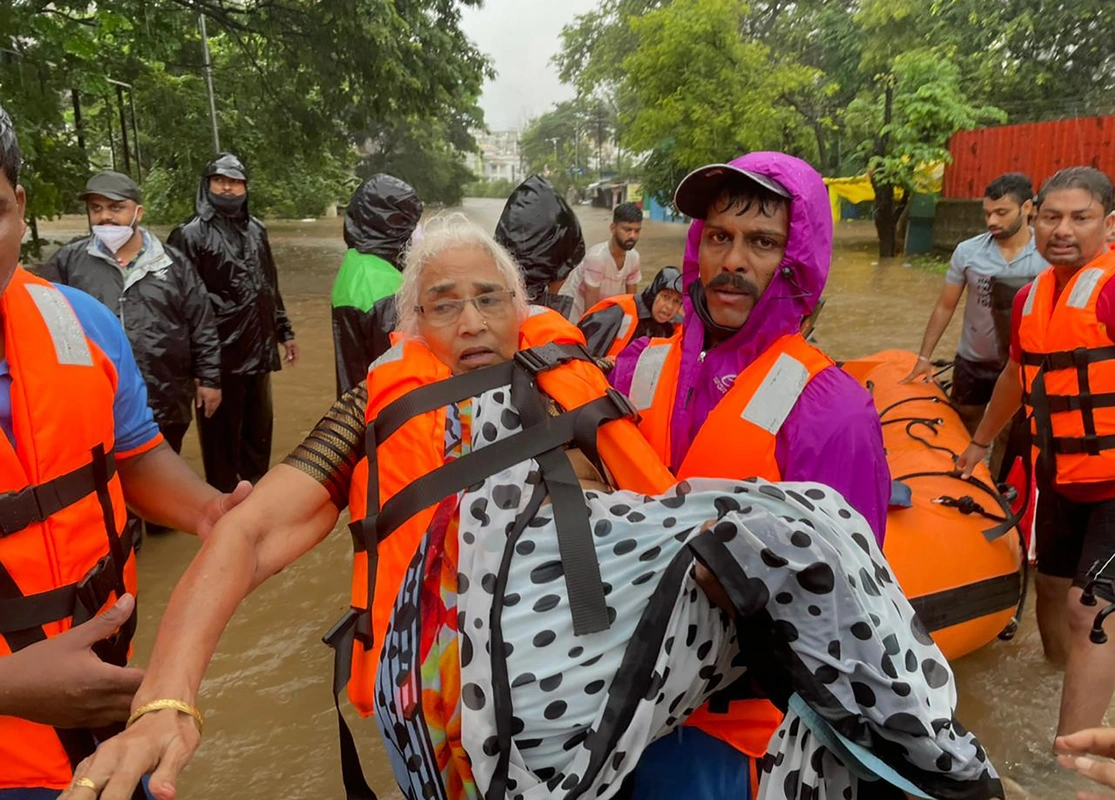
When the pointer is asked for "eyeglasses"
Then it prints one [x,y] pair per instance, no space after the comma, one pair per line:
[491,305]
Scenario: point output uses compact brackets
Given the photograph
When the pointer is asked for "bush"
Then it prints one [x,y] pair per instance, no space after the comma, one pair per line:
[500,188]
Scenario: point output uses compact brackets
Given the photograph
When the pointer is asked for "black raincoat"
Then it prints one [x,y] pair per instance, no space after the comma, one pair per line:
[233,257]
[379,222]
[381,217]
[602,327]
[165,311]
[544,237]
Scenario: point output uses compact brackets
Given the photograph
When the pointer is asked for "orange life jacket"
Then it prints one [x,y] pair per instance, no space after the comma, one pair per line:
[1068,375]
[626,328]
[417,448]
[736,441]
[61,559]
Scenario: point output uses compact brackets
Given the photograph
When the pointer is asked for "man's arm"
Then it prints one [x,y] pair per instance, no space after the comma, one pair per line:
[938,321]
[282,322]
[55,269]
[162,488]
[850,456]
[1005,401]
[205,341]
[286,516]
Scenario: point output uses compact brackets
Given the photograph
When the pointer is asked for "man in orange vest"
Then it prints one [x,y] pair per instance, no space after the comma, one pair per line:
[77,438]
[1062,366]
[738,392]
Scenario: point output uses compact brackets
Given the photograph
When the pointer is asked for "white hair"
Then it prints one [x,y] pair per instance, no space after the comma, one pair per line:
[447,232]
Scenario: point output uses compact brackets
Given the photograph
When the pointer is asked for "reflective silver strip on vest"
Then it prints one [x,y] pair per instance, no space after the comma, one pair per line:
[394,354]
[624,326]
[777,394]
[647,372]
[1028,306]
[1083,287]
[70,345]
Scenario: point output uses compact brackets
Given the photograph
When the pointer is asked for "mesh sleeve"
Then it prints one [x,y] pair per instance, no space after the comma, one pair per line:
[335,446]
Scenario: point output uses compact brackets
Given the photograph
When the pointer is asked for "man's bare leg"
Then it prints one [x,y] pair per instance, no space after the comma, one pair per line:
[1052,613]
[1089,674]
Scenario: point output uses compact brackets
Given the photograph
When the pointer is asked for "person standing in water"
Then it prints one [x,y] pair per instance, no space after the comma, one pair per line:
[232,254]
[1062,370]
[1006,251]
[157,296]
[610,268]
[380,220]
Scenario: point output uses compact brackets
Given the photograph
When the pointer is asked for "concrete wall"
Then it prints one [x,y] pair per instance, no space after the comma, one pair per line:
[957,220]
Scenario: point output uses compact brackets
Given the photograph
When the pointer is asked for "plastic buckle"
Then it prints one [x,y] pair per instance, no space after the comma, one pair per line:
[93,590]
[18,510]
[338,632]
[540,359]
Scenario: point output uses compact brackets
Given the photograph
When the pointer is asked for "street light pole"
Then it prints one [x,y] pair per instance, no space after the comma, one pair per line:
[209,82]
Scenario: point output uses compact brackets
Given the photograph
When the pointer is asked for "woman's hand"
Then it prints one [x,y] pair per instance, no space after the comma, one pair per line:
[157,744]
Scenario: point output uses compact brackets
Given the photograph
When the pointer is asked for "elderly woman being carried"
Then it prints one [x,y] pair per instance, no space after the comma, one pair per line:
[535,600]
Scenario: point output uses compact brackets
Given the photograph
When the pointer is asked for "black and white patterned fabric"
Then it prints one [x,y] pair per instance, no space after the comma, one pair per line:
[549,714]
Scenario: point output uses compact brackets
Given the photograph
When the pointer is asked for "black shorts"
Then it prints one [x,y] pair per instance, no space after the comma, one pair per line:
[973,381]
[1074,538]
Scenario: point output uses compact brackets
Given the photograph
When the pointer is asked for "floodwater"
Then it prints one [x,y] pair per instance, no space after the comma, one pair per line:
[271,729]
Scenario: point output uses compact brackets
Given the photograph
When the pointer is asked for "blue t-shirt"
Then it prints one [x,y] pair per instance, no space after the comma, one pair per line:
[135,425]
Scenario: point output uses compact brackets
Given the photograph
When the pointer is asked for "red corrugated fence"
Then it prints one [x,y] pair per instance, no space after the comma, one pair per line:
[1038,149]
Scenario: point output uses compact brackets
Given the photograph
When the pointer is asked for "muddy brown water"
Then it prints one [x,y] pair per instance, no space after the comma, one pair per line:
[271,729]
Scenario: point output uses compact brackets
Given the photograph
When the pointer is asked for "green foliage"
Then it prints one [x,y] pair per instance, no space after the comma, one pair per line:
[566,143]
[300,85]
[500,188]
[708,109]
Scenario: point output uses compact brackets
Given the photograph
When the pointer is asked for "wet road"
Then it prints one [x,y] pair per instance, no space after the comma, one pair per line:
[271,728]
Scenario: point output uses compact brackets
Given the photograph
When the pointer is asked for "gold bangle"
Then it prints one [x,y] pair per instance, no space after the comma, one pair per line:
[159,705]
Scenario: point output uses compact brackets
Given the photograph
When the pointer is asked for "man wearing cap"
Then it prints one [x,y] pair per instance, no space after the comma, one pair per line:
[158,297]
[231,252]
[739,373]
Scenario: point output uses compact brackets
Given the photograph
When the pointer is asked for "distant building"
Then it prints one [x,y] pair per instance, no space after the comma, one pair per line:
[498,158]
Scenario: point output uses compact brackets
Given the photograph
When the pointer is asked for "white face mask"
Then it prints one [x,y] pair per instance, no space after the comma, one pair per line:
[115,236]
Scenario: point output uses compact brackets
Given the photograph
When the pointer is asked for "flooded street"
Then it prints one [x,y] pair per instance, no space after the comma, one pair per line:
[271,729]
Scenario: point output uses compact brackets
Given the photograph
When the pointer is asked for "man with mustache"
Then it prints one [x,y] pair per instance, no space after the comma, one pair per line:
[1062,368]
[737,392]
[1006,251]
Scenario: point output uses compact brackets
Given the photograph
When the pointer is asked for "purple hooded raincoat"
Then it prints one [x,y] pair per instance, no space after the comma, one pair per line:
[832,435]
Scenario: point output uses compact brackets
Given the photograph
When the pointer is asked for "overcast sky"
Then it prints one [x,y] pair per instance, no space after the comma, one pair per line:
[521,36]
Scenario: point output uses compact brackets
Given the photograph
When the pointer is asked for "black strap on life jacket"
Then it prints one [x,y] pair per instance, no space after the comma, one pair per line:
[542,438]
[1083,402]
[23,617]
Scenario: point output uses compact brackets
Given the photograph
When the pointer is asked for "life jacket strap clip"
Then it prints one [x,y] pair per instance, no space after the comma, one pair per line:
[19,509]
[536,360]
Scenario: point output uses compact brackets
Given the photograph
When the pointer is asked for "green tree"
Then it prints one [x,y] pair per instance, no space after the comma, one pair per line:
[300,85]
[690,111]
[905,124]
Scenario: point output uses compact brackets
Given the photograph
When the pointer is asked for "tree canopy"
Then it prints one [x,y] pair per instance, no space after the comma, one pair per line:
[307,91]
[849,85]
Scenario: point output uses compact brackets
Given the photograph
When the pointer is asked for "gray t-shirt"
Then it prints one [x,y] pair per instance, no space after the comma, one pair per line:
[975,262]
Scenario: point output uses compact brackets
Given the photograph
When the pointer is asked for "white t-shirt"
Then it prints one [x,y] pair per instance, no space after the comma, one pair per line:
[598,270]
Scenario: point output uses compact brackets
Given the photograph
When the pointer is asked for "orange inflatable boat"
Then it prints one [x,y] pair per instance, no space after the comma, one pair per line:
[968,590]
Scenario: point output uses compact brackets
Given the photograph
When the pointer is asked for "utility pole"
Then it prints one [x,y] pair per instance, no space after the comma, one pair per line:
[123,129]
[554,142]
[209,82]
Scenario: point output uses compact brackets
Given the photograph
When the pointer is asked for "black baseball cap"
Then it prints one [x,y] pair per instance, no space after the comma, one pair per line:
[702,186]
[113,185]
